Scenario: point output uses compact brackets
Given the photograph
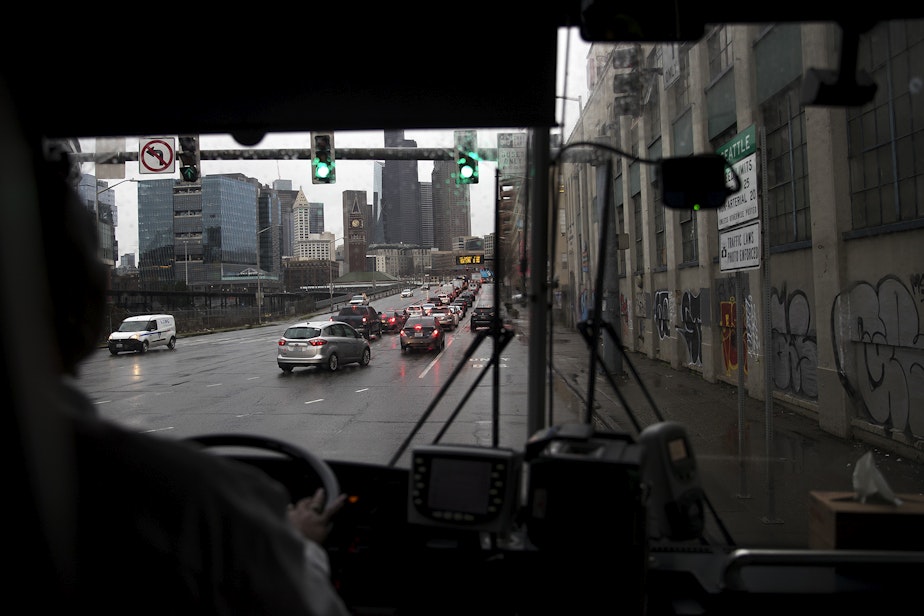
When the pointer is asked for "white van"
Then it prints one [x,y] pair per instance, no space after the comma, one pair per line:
[142,332]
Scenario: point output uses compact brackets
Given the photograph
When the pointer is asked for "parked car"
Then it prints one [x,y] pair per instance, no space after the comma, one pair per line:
[423,333]
[393,320]
[327,344]
[407,293]
[447,318]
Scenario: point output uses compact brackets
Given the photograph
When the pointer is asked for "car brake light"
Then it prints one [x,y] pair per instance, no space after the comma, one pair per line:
[435,334]
[317,342]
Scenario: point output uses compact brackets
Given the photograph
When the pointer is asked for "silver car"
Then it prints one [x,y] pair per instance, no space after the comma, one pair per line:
[329,344]
[447,318]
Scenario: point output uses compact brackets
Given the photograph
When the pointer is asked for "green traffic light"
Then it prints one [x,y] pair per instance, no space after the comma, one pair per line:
[322,171]
[189,174]
[468,170]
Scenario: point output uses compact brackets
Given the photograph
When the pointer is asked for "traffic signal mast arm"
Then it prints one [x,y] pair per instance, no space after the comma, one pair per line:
[485,154]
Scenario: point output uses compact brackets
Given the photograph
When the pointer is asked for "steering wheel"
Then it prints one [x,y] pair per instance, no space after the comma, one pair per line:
[304,458]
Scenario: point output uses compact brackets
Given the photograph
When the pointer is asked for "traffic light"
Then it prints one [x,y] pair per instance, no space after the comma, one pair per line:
[189,159]
[323,165]
[466,157]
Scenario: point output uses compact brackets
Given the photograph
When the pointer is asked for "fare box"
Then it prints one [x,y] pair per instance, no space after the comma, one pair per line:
[837,521]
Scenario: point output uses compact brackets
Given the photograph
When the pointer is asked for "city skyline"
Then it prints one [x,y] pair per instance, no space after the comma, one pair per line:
[351,174]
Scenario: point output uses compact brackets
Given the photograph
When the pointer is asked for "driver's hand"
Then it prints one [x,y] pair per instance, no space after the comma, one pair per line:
[309,517]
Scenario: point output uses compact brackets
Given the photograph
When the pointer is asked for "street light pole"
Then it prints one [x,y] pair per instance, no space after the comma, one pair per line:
[330,272]
[186,260]
[259,288]
[96,205]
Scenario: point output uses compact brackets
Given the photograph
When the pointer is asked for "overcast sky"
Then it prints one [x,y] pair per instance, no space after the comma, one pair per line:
[351,174]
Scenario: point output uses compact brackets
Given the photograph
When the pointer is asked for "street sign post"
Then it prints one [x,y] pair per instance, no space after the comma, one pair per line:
[739,248]
[511,155]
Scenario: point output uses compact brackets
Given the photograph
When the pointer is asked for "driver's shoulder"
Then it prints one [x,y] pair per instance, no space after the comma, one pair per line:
[175,469]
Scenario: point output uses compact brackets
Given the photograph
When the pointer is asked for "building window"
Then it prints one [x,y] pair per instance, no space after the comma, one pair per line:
[651,100]
[719,48]
[660,245]
[789,214]
[679,88]
[620,223]
[886,137]
[657,206]
[688,236]
[639,244]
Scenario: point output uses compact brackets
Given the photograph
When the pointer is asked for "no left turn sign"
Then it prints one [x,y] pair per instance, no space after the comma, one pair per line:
[157,155]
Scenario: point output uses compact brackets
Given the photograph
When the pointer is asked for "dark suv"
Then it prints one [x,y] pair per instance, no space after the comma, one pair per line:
[364,319]
[482,317]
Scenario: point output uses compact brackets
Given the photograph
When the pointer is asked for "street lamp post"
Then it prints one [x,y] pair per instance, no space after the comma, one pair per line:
[259,288]
[186,260]
[96,205]
[330,272]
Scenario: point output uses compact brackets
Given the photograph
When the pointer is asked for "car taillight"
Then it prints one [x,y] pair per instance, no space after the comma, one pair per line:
[317,342]
[435,334]
[282,342]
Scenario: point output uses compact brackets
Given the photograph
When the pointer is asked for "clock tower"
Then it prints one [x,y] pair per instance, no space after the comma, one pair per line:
[354,226]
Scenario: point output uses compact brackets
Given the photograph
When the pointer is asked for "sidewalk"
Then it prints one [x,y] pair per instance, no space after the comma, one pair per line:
[758,480]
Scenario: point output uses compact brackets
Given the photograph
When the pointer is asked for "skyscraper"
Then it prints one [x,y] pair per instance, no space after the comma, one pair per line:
[451,206]
[400,194]
[315,217]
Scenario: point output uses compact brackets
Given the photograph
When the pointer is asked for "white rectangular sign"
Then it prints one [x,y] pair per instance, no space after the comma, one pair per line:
[511,154]
[739,248]
[742,205]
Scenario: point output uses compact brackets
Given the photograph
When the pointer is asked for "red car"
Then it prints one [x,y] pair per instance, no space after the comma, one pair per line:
[393,320]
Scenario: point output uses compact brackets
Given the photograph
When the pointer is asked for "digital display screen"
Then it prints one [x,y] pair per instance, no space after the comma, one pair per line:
[677,449]
[459,485]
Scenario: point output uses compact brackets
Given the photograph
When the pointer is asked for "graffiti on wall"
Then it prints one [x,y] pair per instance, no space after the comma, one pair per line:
[727,298]
[794,344]
[663,313]
[624,316]
[641,302]
[879,351]
[917,286]
[751,327]
[692,315]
